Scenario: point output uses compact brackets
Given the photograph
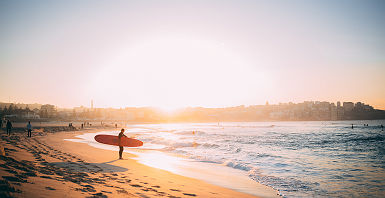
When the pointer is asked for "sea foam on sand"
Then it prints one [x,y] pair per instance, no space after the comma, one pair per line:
[212,173]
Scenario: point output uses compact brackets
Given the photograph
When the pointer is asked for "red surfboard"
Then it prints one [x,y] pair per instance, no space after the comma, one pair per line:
[113,140]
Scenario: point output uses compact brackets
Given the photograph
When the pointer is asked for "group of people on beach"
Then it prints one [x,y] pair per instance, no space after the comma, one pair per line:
[8,127]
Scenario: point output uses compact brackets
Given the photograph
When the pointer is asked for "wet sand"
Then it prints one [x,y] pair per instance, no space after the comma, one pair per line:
[48,166]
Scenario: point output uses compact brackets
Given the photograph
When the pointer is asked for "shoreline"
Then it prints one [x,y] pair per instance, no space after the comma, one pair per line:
[212,173]
[47,165]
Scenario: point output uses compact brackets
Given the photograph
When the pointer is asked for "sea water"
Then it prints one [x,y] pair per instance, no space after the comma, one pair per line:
[299,159]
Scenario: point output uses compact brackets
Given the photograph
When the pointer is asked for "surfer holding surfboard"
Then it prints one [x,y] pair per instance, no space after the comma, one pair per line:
[121,140]
[120,143]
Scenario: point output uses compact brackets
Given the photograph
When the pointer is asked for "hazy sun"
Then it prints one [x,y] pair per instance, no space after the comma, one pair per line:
[174,72]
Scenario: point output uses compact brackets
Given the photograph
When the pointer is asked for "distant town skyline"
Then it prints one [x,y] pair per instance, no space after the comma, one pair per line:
[305,111]
[267,103]
[173,54]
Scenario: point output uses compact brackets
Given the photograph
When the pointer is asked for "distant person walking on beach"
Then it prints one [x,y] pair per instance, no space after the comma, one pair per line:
[121,147]
[29,128]
[9,127]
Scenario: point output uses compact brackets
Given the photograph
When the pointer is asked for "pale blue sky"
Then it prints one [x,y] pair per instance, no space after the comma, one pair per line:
[278,51]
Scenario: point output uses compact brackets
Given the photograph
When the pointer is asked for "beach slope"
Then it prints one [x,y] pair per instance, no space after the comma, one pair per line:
[48,166]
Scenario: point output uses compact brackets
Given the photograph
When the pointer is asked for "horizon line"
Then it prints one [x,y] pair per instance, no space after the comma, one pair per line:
[184,107]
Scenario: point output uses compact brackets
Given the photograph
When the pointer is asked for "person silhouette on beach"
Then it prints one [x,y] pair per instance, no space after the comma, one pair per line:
[9,127]
[29,128]
[121,134]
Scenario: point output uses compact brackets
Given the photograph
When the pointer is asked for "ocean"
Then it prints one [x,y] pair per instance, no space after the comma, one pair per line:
[299,159]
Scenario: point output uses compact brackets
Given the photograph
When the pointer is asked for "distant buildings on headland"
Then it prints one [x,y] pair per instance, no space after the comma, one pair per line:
[310,110]
[306,111]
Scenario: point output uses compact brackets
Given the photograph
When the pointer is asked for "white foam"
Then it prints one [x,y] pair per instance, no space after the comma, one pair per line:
[212,173]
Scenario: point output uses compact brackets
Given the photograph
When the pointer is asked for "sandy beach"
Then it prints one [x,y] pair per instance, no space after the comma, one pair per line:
[48,166]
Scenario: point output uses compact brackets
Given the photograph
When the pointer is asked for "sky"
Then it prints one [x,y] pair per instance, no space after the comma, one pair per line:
[173,54]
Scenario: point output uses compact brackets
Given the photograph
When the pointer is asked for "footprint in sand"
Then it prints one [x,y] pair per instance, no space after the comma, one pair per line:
[193,195]
[142,195]
[161,193]
[151,189]
[3,166]
[14,179]
[6,188]
[10,171]
[30,174]
[122,191]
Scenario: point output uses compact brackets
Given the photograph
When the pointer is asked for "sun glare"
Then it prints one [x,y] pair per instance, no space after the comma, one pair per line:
[161,161]
[169,109]
[174,72]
